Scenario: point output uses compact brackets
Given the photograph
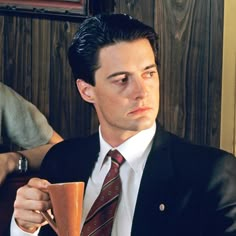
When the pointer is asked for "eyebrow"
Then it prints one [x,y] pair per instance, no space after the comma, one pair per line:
[127,73]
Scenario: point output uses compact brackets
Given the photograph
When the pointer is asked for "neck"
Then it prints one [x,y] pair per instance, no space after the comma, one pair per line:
[117,139]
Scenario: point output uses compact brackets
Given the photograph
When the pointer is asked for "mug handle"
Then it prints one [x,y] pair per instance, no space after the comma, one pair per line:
[50,220]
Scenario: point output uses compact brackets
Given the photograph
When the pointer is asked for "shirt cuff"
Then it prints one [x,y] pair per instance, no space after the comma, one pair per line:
[15,230]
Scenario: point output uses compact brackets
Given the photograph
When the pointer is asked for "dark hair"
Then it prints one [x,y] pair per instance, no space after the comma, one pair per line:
[100,31]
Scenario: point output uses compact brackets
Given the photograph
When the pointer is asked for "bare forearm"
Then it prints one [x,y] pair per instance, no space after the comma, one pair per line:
[56,138]
[36,155]
[9,161]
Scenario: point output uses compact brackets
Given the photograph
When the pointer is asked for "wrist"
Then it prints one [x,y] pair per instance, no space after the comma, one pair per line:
[12,160]
[16,162]
[26,229]
[22,164]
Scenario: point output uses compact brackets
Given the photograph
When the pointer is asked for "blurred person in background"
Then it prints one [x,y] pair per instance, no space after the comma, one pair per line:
[24,125]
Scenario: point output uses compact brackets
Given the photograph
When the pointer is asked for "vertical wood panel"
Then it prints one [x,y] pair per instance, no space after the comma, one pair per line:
[2,44]
[140,9]
[18,54]
[190,71]
[215,72]
[75,116]
[41,51]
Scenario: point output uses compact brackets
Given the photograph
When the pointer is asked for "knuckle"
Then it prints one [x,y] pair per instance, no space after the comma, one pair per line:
[42,206]
[16,213]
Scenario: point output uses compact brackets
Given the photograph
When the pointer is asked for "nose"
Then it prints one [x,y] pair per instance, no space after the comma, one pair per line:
[139,90]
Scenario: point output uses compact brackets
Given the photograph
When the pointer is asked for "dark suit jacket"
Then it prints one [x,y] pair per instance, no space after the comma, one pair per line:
[196,185]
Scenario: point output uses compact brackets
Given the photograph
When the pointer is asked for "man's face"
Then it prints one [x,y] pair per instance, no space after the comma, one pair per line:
[126,91]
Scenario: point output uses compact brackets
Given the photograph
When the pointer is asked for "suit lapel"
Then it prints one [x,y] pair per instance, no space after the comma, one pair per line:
[157,187]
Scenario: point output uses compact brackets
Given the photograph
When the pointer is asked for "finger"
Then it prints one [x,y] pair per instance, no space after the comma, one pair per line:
[28,219]
[3,174]
[38,183]
[32,204]
[30,193]
[27,213]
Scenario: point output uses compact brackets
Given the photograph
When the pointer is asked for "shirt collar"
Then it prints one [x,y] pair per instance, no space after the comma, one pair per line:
[135,149]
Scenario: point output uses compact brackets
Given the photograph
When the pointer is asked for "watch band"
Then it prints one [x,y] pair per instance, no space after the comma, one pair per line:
[22,163]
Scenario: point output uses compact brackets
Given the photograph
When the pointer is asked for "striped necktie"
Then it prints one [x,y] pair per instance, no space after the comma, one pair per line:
[100,217]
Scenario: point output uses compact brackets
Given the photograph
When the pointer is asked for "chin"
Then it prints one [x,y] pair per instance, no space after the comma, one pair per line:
[143,125]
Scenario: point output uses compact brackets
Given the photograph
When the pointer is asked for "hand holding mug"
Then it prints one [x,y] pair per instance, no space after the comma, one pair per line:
[32,199]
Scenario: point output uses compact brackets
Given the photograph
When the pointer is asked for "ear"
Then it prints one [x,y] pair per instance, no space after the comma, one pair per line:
[85,90]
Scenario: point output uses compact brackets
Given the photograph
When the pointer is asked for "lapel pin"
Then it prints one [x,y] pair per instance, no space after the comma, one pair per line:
[162,207]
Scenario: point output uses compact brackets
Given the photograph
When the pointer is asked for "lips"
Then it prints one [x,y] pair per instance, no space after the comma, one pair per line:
[140,110]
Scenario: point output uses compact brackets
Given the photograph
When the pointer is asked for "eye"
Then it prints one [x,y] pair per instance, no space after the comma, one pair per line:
[121,80]
[124,80]
[149,74]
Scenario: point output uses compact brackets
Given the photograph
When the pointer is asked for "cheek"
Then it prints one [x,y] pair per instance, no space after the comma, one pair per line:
[112,107]
[153,88]
[156,88]
[107,101]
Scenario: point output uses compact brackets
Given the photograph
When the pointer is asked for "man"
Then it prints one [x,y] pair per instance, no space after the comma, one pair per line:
[23,124]
[169,186]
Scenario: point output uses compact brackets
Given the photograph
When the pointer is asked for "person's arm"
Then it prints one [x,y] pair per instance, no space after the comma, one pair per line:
[9,161]
[221,198]
[36,155]
[56,138]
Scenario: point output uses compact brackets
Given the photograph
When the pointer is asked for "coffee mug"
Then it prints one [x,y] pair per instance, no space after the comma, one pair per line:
[67,204]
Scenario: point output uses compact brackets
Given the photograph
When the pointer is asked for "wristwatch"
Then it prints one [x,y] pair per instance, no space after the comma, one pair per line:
[22,164]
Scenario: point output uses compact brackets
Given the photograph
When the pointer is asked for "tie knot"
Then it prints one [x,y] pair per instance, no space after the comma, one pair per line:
[116,156]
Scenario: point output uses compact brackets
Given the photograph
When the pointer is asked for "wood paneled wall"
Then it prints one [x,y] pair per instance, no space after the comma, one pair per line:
[33,61]
[191,39]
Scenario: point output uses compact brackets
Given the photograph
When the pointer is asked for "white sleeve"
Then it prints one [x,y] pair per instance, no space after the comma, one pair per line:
[16,231]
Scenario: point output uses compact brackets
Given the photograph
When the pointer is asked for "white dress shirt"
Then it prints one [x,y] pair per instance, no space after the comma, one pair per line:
[135,151]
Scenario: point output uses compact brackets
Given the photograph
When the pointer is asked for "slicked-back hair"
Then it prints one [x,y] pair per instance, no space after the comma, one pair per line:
[100,31]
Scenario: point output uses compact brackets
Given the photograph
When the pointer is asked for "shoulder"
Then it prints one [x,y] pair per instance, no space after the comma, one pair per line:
[189,159]
[202,155]
[70,158]
[75,145]
[178,146]
[199,152]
